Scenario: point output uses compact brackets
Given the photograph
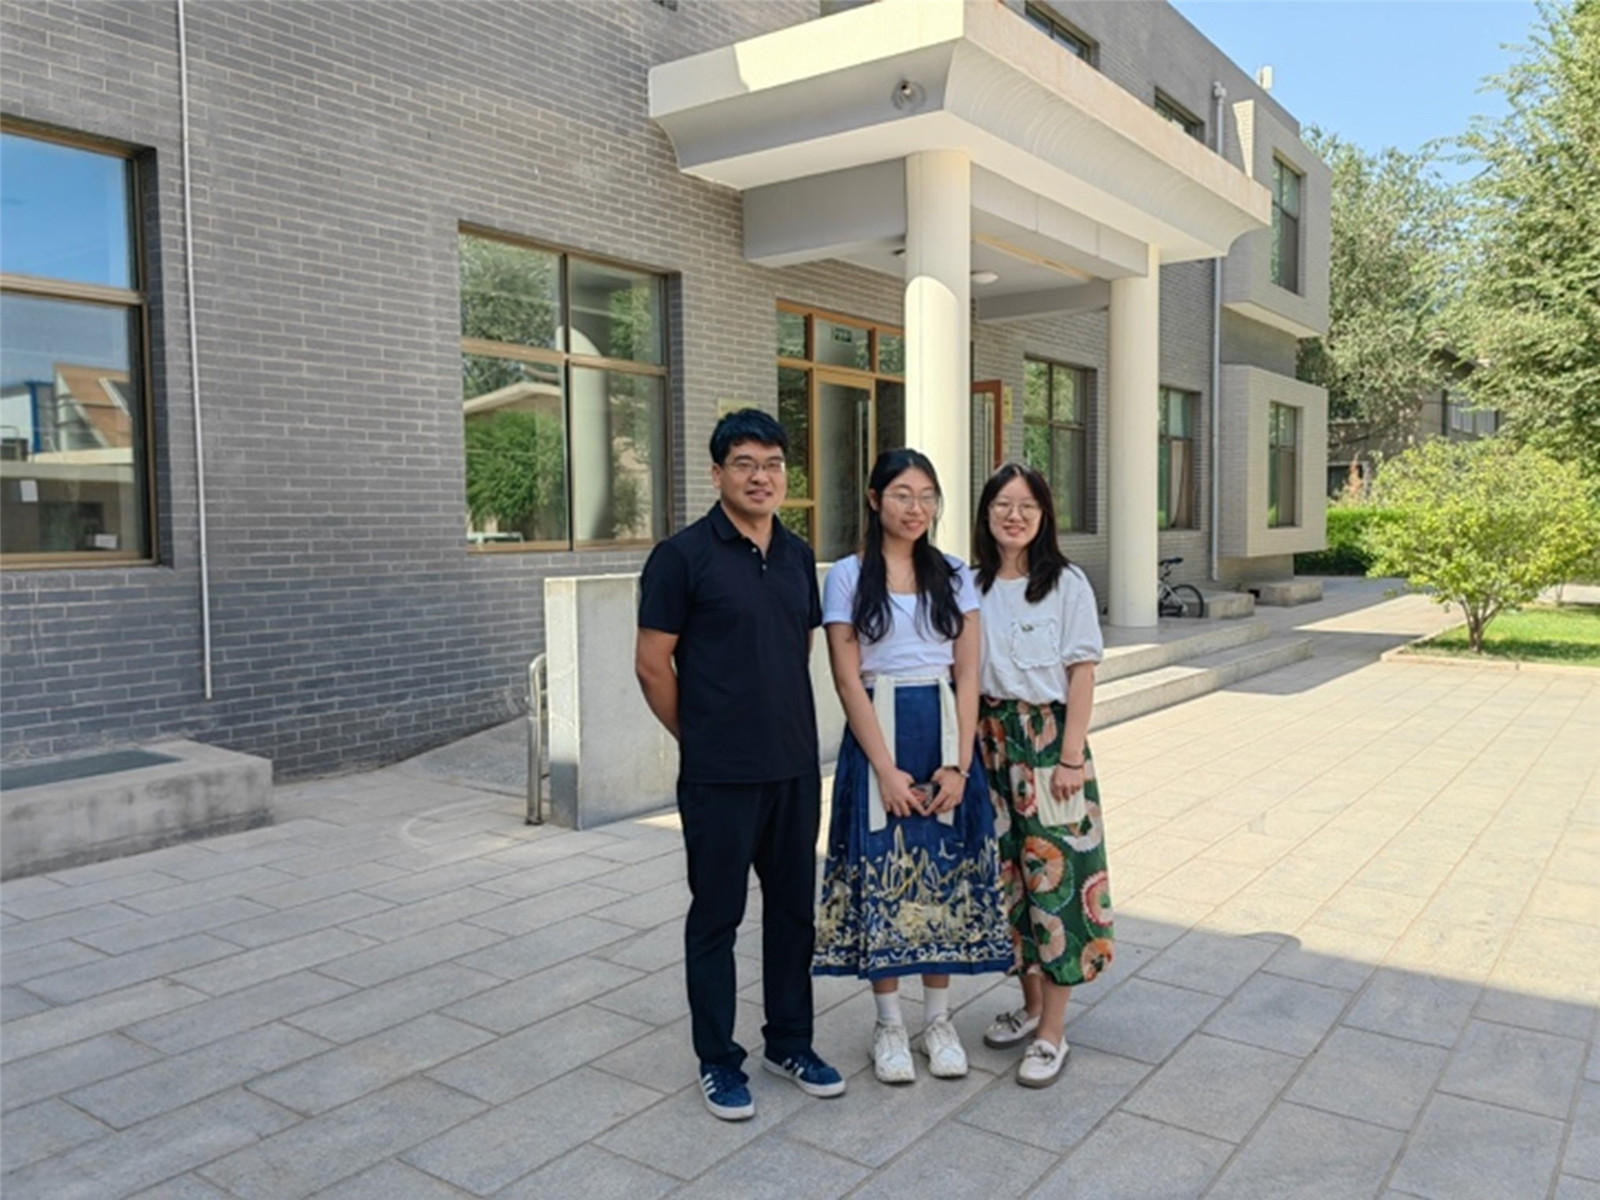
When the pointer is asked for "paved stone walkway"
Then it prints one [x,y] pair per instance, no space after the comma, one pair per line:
[1358,906]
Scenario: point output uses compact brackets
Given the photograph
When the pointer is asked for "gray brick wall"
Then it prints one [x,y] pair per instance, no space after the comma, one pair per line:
[337,148]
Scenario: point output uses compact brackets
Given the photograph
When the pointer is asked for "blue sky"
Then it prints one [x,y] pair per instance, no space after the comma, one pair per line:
[1376,72]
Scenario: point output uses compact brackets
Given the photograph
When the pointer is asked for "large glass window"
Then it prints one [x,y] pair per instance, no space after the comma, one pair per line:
[74,434]
[564,395]
[1060,32]
[1285,226]
[841,398]
[1175,502]
[1180,116]
[1283,469]
[1055,436]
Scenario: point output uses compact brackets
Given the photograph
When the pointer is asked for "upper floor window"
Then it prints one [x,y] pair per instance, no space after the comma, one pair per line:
[1060,32]
[564,396]
[74,431]
[1175,500]
[1286,183]
[1283,468]
[1180,116]
[1055,436]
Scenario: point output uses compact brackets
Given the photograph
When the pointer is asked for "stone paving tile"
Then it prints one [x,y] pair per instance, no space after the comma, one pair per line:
[47,1128]
[409,887]
[34,902]
[959,1164]
[163,1086]
[29,1080]
[511,1006]
[1302,1154]
[670,902]
[369,1010]
[521,1061]
[1143,1020]
[593,1174]
[873,1122]
[211,1020]
[1337,958]
[305,918]
[20,934]
[149,931]
[1279,1014]
[390,960]
[18,1002]
[393,1180]
[1370,1077]
[1420,1008]
[1570,1187]
[1548,1014]
[183,1187]
[207,891]
[1209,962]
[341,1075]
[657,999]
[99,1014]
[151,1152]
[1095,1082]
[1467,1150]
[1582,1155]
[251,967]
[490,1151]
[1130,1158]
[1518,1068]
[653,949]
[518,956]
[125,970]
[404,920]
[45,960]
[679,1137]
[547,908]
[664,1059]
[774,1168]
[320,887]
[1214,1087]
[645,876]
[312,1155]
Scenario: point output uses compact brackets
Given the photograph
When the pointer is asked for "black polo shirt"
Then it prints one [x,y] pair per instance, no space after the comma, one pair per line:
[745,710]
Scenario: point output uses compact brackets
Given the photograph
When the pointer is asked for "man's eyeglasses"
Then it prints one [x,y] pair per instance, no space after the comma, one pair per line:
[744,468]
[905,498]
[1027,510]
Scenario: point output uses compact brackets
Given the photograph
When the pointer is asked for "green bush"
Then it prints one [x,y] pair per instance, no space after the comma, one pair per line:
[1346,553]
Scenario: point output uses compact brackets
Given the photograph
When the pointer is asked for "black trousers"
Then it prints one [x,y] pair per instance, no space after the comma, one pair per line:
[727,829]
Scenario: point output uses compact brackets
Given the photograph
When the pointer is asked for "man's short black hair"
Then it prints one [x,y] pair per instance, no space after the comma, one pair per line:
[746,425]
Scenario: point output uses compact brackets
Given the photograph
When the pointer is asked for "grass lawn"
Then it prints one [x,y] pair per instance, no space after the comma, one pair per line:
[1569,633]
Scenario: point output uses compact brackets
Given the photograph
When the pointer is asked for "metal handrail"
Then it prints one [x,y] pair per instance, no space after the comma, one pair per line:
[536,698]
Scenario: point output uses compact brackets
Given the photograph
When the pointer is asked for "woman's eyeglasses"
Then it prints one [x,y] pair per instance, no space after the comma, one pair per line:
[1027,510]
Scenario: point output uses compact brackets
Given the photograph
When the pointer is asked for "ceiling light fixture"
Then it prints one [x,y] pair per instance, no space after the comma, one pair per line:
[985,277]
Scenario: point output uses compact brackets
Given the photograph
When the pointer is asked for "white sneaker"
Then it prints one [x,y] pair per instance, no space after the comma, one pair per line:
[1041,1065]
[940,1042]
[1010,1029]
[891,1054]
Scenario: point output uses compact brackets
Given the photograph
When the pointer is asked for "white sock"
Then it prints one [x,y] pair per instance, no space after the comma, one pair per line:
[888,1007]
[935,1003]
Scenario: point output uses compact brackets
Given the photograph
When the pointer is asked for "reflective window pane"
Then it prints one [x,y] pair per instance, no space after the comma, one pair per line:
[892,353]
[1036,398]
[1066,395]
[72,426]
[616,313]
[510,294]
[841,467]
[794,414]
[67,212]
[516,469]
[1067,477]
[791,334]
[797,521]
[840,345]
[619,442]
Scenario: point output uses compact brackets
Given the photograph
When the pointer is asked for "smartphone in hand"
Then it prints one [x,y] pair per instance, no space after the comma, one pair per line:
[924,793]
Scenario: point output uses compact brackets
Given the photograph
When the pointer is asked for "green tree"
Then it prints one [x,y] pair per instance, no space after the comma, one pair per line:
[1394,248]
[1484,525]
[516,473]
[1532,314]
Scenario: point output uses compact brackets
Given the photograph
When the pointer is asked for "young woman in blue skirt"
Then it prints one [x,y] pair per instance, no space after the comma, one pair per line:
[911,883]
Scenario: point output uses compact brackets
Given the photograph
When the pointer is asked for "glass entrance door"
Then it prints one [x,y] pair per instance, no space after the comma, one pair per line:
[843,446]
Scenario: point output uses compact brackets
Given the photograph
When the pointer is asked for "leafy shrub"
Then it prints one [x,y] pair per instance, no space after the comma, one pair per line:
[1347,553]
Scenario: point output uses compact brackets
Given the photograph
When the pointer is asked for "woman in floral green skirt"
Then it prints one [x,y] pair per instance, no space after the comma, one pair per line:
[1040,643]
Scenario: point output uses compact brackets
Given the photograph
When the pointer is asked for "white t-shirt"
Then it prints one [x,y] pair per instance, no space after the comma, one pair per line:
[1028,647]
[911,647]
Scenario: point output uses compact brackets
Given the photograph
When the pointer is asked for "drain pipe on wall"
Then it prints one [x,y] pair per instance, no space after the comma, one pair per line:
[1219,96]
[194,350]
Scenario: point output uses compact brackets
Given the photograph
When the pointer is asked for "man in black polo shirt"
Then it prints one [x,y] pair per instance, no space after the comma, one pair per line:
[726,613]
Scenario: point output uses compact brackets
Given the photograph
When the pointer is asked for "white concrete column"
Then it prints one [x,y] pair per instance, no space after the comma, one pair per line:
[939,330]
[1134,365]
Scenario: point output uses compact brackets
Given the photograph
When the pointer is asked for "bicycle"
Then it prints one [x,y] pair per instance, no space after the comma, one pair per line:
[1177,599]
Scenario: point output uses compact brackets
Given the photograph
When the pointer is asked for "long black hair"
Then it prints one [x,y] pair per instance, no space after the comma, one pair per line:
[1045,560]
[936,578]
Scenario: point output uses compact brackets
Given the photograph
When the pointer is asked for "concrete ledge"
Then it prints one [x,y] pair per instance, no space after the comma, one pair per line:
[1228,606]
[1285,593]
[187,790]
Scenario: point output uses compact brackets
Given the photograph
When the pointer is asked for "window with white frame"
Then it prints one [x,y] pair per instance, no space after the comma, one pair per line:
[1055,435]
[564,398]
[75,469]
[1176,482]
[1283,466]
[1286,189]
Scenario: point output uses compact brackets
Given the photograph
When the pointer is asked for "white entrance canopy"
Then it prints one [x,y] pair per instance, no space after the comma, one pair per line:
[926,138]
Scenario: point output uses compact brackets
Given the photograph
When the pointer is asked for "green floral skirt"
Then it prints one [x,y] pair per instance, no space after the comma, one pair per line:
[1057,893]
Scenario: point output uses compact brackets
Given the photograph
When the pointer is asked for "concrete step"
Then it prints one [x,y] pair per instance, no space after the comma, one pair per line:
[1206,638]
[1284,593]
[1226,606]
[1135,695]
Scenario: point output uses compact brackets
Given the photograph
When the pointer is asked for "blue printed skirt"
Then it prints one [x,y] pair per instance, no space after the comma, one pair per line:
[918,897]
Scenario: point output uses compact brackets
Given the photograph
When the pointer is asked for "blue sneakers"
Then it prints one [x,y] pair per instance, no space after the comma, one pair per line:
[726,1094]
[809,1073]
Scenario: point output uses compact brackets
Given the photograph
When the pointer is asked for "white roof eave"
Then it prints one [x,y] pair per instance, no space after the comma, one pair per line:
[827,94]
